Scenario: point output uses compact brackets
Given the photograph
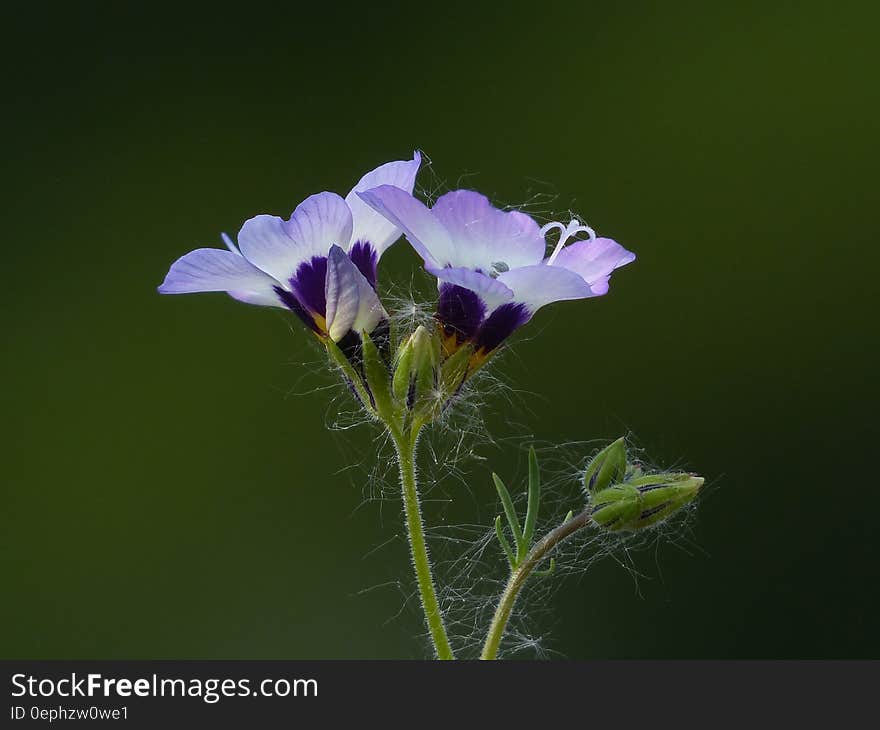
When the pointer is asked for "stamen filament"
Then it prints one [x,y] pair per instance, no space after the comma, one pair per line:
[565,233]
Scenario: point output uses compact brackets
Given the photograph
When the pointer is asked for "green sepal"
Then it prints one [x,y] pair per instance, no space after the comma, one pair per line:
[436,391]
[643,501]
[403,372]
[669,478]
[378,379]
[662,495]
[339,358]
[454,370]
[615,508]
[606,468]
[426,360]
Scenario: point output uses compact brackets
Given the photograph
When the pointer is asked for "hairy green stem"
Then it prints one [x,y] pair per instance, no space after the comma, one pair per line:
[406,457]
[520,574]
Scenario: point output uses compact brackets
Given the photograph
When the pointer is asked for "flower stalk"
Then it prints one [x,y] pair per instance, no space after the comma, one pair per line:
[405,444]
[520,574]
[405,396]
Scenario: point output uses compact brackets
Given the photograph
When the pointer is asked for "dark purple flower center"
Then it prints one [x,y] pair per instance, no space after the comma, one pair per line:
[289,300]
[463,315]
[500,325]
[366,258]
[460,311]
[308,284]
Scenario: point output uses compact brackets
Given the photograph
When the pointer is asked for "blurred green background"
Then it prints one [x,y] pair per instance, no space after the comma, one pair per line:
[169,487]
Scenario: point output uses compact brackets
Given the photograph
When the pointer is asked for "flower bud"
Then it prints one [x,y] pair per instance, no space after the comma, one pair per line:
[607,467]
[663,494]
[615,507]
[416,371]
[400,383]
[643,501]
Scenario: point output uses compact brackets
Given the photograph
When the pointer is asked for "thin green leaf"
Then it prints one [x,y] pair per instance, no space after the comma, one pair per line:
[534,499]
[505,546]
[509,510]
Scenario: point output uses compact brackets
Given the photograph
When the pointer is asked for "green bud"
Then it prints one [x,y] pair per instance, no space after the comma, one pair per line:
[607,467]
[416,373]
[616,507]
[664,494]
[402,380]
[643,501]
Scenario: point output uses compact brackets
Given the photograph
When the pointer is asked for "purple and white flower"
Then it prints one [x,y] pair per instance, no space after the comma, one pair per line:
[491,265]
[321,263]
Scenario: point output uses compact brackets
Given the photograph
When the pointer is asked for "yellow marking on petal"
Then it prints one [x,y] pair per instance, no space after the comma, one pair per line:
[449,340]
[321,322]
[479,358]
[451,343]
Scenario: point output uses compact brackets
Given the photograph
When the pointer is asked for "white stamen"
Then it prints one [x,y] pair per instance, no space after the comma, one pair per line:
[566,232]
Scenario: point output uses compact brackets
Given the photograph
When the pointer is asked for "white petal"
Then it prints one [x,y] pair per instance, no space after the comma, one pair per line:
[484,236]
[211,269]
[352,303]
[370,226]
[261,298]
[278,247]
[319,222]
[424,232]
[264,242]
[594,260]
[493,292]
[538,285]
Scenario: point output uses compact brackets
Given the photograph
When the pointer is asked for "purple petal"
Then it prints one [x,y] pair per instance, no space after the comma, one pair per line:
[485,237]
[211,269]
[500,325]
[538,285]
[491,291]
[352,304]
[600,286]
[366,258]
[308,283]
[594,261]
[293,304]
[460,311]
[424,232]
[370,226]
